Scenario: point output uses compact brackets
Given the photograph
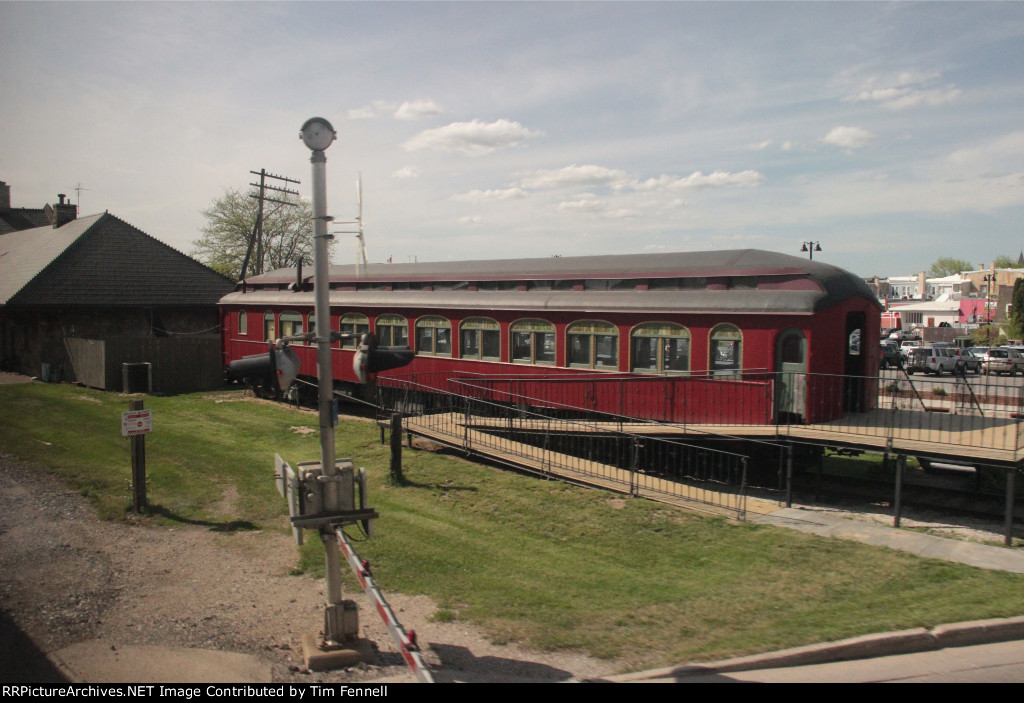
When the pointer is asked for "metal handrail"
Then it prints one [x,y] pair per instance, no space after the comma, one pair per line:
[591,451]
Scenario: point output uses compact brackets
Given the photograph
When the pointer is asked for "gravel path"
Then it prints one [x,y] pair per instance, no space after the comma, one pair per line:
[67,577]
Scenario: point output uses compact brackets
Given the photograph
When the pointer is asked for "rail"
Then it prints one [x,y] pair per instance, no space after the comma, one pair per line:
[598,452]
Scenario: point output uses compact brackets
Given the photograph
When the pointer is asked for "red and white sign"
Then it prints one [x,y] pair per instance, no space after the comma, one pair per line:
[136,422]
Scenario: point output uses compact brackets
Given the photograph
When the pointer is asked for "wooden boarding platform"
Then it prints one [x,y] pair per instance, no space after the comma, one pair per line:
[965,438]
[453,430]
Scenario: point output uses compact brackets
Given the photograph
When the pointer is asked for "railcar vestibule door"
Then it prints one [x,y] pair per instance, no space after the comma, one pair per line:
[853,366]
[791,376]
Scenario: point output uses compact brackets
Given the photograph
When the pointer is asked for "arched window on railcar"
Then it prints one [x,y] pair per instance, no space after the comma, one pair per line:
[353,323]
[392,331]
[660,347]
[269,327]
[533,342]
[291,323]
[311,323]
[243,324]
[726,357]
[434,336]
[593,345]
[480,339]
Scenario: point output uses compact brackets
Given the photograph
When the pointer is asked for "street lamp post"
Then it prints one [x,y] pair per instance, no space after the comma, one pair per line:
[810,248]
[990,280]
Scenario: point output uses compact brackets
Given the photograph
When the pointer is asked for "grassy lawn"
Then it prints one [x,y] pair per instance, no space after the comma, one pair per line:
[529,560]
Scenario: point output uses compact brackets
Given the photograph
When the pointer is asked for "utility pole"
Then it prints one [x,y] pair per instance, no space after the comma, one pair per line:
[256,238]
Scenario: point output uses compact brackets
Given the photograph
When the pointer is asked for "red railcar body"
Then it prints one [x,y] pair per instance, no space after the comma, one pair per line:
[634,335]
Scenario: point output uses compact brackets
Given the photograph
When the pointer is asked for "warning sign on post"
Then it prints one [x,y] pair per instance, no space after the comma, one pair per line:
[136,422]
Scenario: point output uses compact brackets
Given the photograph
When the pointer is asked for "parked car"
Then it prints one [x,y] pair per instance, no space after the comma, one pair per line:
[906,345]
[998,361]
[966,360]
[931,360]
[891,357]
[1017,357]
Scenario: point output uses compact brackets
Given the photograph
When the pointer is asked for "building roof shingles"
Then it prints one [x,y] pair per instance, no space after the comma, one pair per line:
[100,261]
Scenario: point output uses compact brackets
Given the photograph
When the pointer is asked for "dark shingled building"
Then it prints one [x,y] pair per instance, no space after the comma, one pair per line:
[81,297]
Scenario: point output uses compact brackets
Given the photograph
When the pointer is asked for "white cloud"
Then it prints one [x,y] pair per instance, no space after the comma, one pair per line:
[849,137]
[405,173]
[906,90]
[591,204]
[588,202]
[370,111]
[903,98]
[590,175]
[1001,154]
[760,146]
[417,110]
[717,179]
[474,138]
[575,177]
[480,196]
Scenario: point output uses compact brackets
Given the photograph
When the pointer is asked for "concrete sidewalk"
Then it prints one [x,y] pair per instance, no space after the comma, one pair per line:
[831,525]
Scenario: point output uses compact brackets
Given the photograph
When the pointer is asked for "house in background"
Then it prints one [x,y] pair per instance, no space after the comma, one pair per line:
[82,297]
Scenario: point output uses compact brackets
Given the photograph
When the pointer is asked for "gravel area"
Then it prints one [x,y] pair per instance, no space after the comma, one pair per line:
[67,577]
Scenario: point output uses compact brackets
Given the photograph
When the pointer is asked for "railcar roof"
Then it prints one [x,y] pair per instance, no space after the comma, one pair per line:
[828,284]
[737,262]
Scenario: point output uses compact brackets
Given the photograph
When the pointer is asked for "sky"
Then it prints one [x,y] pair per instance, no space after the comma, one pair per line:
[890,133]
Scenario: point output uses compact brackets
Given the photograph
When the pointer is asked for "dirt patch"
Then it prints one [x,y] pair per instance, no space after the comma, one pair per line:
[67,577]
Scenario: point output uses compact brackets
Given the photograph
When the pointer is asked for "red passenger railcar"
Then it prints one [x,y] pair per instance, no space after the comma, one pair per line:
[744,316]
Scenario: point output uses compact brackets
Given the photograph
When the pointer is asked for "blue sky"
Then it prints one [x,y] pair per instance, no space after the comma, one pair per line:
[893,133]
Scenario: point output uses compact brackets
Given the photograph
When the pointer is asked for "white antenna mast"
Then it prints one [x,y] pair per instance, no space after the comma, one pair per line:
[360,241]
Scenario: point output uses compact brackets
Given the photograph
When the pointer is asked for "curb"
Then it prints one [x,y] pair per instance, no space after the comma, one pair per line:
[864,647]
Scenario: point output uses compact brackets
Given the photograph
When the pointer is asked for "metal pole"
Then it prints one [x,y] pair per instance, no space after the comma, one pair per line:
[336,496]
[789,475]
[397,478]
[321,286]
[901,465]
[138,450]
[1008,536]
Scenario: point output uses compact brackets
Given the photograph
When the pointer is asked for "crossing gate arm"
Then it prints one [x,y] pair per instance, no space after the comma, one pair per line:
[407,645]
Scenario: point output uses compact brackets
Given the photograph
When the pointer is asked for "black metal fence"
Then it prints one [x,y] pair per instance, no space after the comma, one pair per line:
[957,412]
[950,413]
[601,450]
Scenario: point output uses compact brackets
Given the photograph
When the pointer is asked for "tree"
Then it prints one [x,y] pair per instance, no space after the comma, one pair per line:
[947,266]
[1007,262]
[1016,327]
[287,234]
